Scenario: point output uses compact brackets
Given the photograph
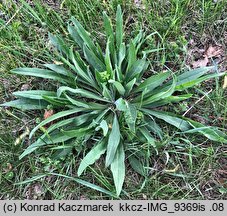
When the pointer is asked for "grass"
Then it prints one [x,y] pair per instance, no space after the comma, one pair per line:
[186,166]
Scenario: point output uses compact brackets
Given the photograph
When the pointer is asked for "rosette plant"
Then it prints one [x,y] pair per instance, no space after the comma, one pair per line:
[105,102]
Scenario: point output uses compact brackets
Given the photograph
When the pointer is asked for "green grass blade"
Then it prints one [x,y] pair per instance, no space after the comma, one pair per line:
[87,184]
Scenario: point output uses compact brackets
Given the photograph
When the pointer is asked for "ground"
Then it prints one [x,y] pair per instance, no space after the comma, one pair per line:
[191,33]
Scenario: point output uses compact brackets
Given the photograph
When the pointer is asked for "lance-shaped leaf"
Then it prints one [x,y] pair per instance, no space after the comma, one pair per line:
[152,82]
[26,104]
[85,36]
[93,155]
[130,116]
[60,70]
[118,169]
[42,73]
[113,141]
[118,86]
[104,126]
[136,69]
[170,99]
[119,27]
[93,60]
[160,95]
[54,117]
[107,58]
[34,94]
[211,133]
[82,92]
[181,124]
[75,35]
[59,43]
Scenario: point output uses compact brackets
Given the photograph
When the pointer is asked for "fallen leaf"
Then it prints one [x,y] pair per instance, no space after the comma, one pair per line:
[213,51]
[58,63]
[22,136]
[8,167]
[225,83]
[173,170]
[48,113]
[200,63]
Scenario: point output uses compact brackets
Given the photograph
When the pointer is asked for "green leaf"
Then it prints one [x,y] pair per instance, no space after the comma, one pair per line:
[118,169]
[110,34]
[169,118]
[56,101]
[76,133]
[131,55]
[104,126]
[170,99]
[118,86]
[113,141]
[107,58]
[189,84]
[93,155]
[130,116]
[81,72]
[45,140]
[152,82]
[145,132]
[54,117]
[85,36]
[129,86]
[121,54]
[59,43]
[160,95]
[119,27]
[84,104]
[87,184]
[136,69]
[42,73]
[34,94]
[136,165]
[106,92]
[60,70]
[26,104]
[75,35]
[82,92]
[209,132]
[121,104]
[93,60]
